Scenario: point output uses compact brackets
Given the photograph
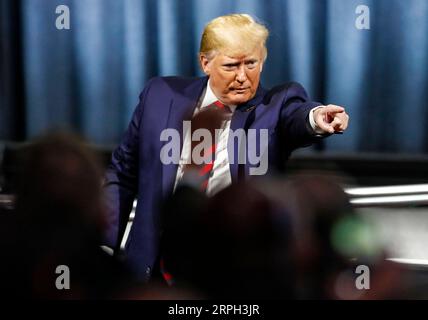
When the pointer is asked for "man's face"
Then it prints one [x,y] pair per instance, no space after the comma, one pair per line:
[234,79]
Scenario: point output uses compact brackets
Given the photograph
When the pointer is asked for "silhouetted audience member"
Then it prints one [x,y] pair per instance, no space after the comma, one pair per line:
[330,240]
[233,245]
[59,222]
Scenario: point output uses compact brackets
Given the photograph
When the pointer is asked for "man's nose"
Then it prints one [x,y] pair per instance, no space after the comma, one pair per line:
[241,76]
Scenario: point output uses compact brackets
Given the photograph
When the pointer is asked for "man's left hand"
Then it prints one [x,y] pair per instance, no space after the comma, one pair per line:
[331,118]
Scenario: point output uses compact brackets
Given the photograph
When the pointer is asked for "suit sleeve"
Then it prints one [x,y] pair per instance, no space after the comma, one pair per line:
[295,118]
[121,178]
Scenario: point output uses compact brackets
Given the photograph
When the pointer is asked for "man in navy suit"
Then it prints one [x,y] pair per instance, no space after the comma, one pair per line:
[232,54]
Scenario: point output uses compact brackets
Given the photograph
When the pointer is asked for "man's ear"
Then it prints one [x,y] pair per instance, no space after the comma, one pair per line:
[261,67]
[205,64]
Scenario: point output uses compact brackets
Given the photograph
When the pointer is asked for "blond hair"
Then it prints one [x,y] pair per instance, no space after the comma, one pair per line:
[233,34]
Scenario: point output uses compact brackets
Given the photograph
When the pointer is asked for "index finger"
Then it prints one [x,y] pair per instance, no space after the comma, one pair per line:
[333,108]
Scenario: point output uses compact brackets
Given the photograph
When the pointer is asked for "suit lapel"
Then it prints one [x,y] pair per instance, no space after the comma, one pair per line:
[242,119]
[181,108]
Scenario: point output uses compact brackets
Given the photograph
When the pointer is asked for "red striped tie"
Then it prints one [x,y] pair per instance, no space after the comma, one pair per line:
[205,171]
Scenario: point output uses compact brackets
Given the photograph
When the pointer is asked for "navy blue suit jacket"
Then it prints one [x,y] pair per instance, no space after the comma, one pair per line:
[136,170]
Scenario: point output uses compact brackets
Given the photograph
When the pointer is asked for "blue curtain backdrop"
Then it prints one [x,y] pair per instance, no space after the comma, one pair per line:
[88,78]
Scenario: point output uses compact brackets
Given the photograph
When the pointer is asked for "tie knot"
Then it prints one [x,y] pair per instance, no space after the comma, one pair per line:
[218,104]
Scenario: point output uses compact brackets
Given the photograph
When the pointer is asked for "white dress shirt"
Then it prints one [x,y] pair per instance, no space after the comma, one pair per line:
[220,176]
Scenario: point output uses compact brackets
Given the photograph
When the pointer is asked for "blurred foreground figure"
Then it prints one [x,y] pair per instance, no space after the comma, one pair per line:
[330,241]
[276,239]
[233,245]
[52,250]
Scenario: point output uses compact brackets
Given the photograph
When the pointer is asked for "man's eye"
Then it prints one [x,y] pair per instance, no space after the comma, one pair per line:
[229,66]
[251,64]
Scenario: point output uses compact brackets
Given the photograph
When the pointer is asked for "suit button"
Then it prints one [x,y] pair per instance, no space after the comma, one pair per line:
[148,270]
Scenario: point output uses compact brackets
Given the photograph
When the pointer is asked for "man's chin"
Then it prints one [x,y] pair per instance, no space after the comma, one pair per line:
[239,99]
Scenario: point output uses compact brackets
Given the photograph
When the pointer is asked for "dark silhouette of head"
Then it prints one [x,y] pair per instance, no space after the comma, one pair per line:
[59,222]
[59,194]
[235,245]
[331,240]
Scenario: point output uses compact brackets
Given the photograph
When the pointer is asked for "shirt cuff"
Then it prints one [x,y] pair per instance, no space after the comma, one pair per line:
[314,126]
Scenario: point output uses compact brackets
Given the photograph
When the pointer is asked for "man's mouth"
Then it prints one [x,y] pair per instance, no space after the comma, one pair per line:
[240,90]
